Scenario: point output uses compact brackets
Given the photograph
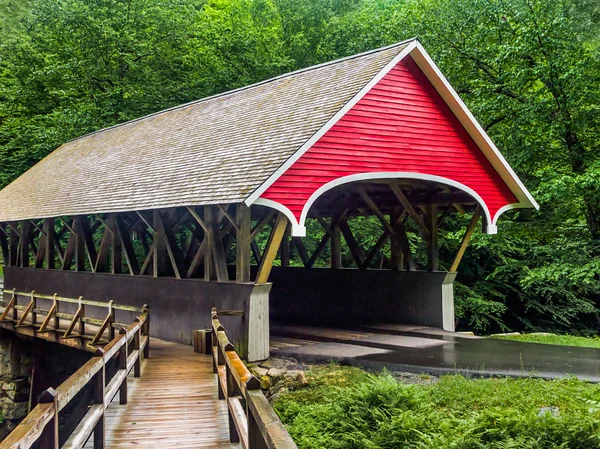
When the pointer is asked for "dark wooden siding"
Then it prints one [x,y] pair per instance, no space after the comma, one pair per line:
[401,124]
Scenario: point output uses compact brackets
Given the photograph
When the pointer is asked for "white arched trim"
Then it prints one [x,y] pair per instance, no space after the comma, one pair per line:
[489,226]
[507,208]
[297,230]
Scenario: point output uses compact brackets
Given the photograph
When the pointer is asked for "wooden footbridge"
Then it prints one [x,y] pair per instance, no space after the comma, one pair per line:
[123,397]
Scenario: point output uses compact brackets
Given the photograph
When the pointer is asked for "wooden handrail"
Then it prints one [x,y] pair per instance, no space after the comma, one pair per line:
[41,425]
[24,319]
[252,420]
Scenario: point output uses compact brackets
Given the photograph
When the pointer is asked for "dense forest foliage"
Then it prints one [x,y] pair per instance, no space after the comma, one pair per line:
[528,69]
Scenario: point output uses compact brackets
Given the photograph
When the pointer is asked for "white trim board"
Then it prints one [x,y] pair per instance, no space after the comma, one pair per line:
[459,109]
[299,229]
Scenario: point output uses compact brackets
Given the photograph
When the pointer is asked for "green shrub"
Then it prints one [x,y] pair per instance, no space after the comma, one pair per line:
[379,412]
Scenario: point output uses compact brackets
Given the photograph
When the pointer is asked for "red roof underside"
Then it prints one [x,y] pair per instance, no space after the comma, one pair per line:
[402,124]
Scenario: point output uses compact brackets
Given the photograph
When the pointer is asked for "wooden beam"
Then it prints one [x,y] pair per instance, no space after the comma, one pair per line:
[285,247]
[4,247]
[373,251]
[371,204]
[242,243]
[396,250]
[410,209]
[199,220]
[261,224]
[67,260]
[355,250]
[264,270]
[318,250]
[404,244]
[13,246]
[160,264]
[101,259]
[116,255]
[229,217]
[88,239]
[170,244]
[216,260]
[127,245]
[299,245]
[465,240]
[80,244]
[25,238]
[40,256]
[432,241]
[49,252]
[256,252]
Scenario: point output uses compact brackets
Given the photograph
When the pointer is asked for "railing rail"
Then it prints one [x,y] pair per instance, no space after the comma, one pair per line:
[252,420]
[31,320]
[41,425]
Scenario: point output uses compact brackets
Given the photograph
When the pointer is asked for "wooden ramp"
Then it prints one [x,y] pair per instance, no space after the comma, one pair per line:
[173,405]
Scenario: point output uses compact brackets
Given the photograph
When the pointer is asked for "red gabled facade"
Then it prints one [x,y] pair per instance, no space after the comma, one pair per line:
[401,125]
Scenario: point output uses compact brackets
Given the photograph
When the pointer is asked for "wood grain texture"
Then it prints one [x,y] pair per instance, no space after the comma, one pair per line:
[172,405]
[401,125]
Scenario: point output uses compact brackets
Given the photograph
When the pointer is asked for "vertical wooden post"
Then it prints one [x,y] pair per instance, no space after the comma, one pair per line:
[99,385]
[116,261]
[49,438]
[33,308]
[234,437]
[242,243]
[137,368]
[395,241]
[111,314]
[266,264]
[13,247]
[286,246]
[79,244]
[146,332]
[25,239]
[81,322]
[56,312]
[432,243]
[215,264]
[255,438]
[48,229]
[336,244]
[4,246]
[123,365]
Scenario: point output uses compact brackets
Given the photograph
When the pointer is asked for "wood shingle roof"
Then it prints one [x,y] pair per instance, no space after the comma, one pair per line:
[212,151]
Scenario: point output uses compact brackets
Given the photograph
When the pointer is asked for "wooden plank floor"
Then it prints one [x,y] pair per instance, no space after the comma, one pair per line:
[174,404]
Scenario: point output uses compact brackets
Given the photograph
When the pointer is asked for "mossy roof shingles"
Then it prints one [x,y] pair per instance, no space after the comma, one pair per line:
[216,150]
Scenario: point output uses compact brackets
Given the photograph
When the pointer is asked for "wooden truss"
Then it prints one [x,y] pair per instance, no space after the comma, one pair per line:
[221,242]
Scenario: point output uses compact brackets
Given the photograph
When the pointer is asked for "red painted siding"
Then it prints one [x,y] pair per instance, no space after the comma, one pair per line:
[401,124]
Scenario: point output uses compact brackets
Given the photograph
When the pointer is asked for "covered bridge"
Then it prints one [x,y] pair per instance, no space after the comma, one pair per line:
[166,209]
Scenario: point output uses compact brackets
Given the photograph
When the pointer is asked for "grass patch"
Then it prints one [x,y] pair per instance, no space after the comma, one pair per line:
[564,340]
[347,408]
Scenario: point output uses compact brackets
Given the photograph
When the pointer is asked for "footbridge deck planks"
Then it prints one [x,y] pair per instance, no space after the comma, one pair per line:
[174,404]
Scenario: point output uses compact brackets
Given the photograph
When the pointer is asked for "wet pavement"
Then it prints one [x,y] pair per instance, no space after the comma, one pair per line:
[434,351]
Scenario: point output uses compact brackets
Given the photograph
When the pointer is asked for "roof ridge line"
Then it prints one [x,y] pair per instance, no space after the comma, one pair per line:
[239,89]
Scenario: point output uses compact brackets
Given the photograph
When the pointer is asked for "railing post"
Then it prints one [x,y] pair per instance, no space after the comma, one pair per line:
[49,438]
[56,318]
[81,322]
[255,438]
[15,311]
[147,332]
[123,365]
[33,306]
[111,314]
[99,386]
[234,437]
[137,368]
